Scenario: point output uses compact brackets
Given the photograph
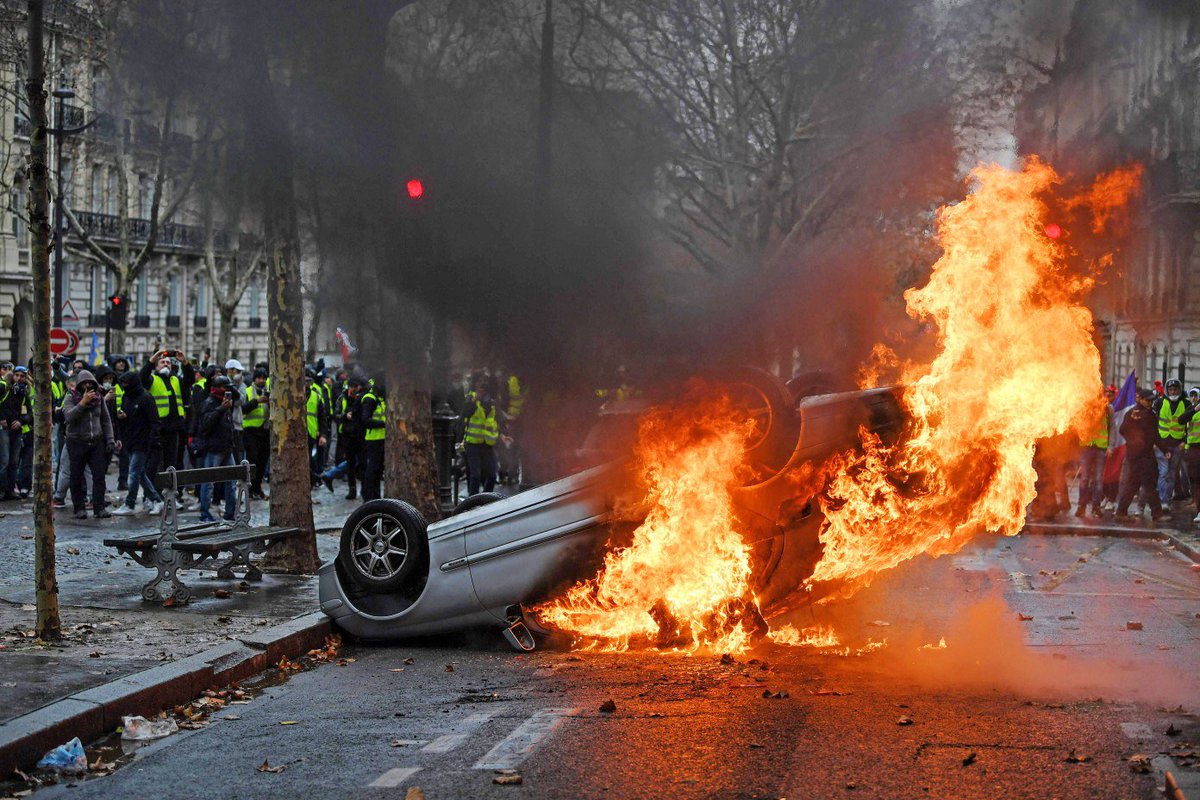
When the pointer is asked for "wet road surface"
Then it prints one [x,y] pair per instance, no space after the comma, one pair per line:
[1041,690]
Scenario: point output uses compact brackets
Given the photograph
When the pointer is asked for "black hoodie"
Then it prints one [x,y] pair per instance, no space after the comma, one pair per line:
[139,433]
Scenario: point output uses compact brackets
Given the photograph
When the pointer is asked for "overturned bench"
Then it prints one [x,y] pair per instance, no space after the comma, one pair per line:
[199,546]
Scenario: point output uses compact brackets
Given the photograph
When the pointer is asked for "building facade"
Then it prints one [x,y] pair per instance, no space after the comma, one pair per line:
[171,303]
[1125,88]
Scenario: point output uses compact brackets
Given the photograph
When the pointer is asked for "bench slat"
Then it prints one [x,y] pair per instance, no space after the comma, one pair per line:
[195,477]
[216,542]
[151,539]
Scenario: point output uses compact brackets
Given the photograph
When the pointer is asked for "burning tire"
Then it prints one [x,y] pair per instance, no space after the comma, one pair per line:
[383,542]
[475,501]
[776,422]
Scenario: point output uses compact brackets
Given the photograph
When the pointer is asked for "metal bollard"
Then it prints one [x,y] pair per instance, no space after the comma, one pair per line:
[444,420]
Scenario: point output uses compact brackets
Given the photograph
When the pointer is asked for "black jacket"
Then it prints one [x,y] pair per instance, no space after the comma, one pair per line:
[1140,429]
[214,427]
[139,429]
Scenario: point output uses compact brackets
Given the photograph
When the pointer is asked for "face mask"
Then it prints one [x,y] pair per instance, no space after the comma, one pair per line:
[165,371]
[106,386]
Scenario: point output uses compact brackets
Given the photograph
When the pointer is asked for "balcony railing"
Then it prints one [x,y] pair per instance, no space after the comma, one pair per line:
[141,321]
[172,320]
[107,227]
[255,322]
[200,321]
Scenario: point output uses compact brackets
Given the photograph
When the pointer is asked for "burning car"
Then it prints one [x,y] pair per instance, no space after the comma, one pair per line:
[488,563]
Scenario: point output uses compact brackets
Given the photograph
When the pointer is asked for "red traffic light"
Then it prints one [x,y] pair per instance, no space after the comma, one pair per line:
[415,188]
[116,299]
[1053,230]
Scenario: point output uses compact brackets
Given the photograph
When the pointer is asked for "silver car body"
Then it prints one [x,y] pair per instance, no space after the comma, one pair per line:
[484,563]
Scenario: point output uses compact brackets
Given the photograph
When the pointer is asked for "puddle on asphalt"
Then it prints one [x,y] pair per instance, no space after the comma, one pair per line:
[110,753]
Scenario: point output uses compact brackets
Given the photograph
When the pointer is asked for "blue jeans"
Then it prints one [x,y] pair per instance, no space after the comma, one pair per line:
[1169,464]
[206,490]
[139,460]
[1091,476]
[14,460]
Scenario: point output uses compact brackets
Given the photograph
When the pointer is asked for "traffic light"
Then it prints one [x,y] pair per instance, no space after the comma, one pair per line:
[415,188]
[118,311]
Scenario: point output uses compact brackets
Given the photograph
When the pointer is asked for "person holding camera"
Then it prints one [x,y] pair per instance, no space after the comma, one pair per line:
[256,430]
[90,442]
[169,391]
[214,440]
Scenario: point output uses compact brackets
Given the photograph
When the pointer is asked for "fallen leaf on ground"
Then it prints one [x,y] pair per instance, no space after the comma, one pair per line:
[266,767]
[775,695]
[508,780]
[414,793]
[1077,758]
[169,602]
[904,721]
[1024,617]
[1133,626]
[608,706]
[231,717]
[72,551]
[221,593]
[289,722]
[449,668]
[1140,764]
[755,746]
[828,693]
[397,669]
[408,661]
[95,654]
[970,759]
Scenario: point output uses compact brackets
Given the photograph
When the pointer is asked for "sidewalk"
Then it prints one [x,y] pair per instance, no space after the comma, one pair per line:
[109,631]
[1181,533]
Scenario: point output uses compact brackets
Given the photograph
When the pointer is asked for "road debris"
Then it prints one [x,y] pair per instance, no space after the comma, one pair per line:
[1140,764]
[1075,757]
[781,694]
[221,594]
[289,722]
[138,729]
[1133,626]
[414,793]
[449,668]
[68,758]
[1024,617]
[904,721]
[266,767]
[969,760]
[608,706]
[408,661]
[508,777]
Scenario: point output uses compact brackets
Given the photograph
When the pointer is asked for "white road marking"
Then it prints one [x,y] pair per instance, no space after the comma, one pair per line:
[393,777]
[461,732]
[516,747]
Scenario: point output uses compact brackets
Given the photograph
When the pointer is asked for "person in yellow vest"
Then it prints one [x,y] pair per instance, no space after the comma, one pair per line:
[480,434]
[256,430]
[317,423]
[1092,454]
[514,394]
[23,386]
[1174,412]
[170,388]
[1191,450]
[372,416]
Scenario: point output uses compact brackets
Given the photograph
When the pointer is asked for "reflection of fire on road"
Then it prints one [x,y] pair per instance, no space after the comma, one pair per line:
[1015,363]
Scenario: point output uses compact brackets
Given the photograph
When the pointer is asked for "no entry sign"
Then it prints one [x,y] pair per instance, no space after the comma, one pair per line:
[63,342]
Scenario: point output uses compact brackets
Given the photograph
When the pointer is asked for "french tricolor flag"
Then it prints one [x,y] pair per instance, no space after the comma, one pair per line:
[1116,442]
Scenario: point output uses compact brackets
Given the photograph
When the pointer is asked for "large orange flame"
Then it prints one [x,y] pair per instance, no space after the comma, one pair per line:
[684,580]
[1016,363]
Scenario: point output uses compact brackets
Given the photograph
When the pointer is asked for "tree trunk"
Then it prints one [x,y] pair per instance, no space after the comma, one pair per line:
[271,140]
[48,624]
[222,352]
[409,464]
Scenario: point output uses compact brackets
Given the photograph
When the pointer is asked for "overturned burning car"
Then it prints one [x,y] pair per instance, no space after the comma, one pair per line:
[395,576]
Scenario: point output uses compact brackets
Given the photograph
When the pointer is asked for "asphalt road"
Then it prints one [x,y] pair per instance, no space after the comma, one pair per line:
[1041,691]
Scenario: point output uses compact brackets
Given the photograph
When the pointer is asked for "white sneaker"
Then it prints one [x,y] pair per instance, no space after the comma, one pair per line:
[1196,519]
[155,509]
[123,511]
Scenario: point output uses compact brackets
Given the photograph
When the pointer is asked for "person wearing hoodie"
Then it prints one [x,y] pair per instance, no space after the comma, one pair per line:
[90,442]
[139,438]
[214,438]
[1140,429]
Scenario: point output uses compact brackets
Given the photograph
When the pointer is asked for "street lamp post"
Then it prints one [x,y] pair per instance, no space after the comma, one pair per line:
[61,95]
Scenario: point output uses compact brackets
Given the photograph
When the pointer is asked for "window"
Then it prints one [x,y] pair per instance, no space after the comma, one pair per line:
[68,182]
[255,298]
[173,295]
[19,199]
[201,296]
[143,285]
[96,292]
[114,195]
[97,188]
[147,196]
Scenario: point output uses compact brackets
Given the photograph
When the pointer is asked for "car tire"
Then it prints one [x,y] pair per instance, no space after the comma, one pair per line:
[383,543]
[779,423]
[475,501]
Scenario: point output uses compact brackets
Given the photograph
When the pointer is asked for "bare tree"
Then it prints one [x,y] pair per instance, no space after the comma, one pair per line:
[45,580]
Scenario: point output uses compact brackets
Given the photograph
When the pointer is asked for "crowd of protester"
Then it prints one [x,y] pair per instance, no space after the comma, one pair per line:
[1156,464]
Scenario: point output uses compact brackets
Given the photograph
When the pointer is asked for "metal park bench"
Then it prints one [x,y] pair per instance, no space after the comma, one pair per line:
[199,546]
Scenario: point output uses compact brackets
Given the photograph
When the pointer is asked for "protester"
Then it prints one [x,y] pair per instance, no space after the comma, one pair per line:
[90,442]
[350,431]
[22,388]
[480,436]
[1173,412]
[372,417]
[138,417]
[169,391]
[1191,453]
[214,440]
[1092,455]
[1140,430]
[316,423]
[256,430]
[233,371]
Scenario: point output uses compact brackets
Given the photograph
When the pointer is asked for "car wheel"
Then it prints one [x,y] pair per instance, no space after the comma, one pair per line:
[383,542]
[776,423]
[475,501]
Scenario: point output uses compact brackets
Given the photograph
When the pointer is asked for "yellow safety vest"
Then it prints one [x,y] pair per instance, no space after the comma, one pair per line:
[378,415]
[28,428]
[481,426]
[58,390]
[161,392]
[1169,424]
[313,407]
[516,397]
[256,418]
[341,409]
[1193,432]
[1100,435]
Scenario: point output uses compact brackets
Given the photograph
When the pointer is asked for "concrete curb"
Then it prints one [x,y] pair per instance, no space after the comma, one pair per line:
[1122,531]
[91,713]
